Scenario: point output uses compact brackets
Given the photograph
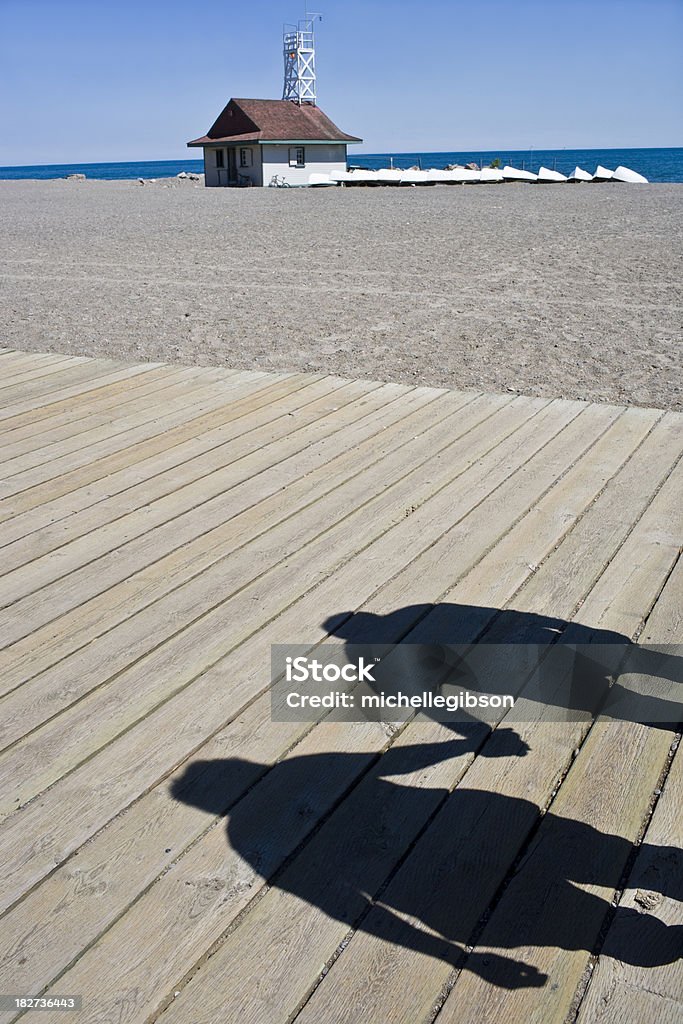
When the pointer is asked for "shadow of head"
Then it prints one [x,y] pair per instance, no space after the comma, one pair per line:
[575,667]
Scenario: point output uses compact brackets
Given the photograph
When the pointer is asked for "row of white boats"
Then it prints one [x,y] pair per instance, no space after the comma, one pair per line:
[465,175]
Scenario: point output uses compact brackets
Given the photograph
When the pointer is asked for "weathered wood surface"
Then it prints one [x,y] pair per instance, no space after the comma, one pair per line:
[160,528]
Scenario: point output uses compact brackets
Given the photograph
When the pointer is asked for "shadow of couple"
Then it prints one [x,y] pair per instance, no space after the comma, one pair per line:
[460,842]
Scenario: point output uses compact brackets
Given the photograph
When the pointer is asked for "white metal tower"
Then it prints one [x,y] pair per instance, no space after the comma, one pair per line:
[299,53]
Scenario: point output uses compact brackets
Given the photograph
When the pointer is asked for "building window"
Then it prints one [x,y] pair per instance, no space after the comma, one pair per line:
[245,158]
[220,158]
[297,156]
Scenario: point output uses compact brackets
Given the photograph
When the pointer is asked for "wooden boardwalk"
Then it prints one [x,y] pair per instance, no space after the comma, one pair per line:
[170,853]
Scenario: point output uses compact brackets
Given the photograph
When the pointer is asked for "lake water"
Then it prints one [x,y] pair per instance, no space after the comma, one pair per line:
[655,164]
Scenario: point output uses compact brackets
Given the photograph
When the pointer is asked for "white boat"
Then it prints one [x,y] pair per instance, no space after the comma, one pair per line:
[514,174]
[632,177]
[578,174]
[362,177]
[546,175]
[453,176]
[416,178]
[490,175]
[463,175]
[355,177]
[316,180]
[440,176]
[388,176]
[602,174]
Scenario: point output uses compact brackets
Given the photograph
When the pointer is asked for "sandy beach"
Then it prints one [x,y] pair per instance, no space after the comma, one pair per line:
[561,291]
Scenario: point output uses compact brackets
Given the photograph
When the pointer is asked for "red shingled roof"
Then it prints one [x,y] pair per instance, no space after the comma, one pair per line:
[272,121]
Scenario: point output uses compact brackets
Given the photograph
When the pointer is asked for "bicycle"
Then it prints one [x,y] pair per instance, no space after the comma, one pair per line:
[278,181]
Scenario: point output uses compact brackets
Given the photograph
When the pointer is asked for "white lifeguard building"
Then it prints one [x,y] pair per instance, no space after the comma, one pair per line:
[256,142]
[252,141]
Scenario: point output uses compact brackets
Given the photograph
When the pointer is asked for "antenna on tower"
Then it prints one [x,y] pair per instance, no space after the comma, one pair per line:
[299,53]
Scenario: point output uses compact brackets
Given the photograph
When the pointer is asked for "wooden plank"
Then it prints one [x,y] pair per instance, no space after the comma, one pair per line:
[282,944]
[653,890]
[358,997]
[575,860]
[198,482]
[194,394]
[187,562]
[184,400]
[222,855]
[308,476]
[664,624]
[204,607]
[75,372]
[474,592]
[108,374]
[387,977]
[554,907]
[75,904]
[26,864]
[12,358]
[29,439]
[20,361]
[567,503]
[59,890]
[647,557]
[393,813]
[652,894]
[613,517]
[78,415]
[24,362]
[40,368]
[245,401]
[248,410]
[242,447]
[28,490]
[637,1006]
[530,537]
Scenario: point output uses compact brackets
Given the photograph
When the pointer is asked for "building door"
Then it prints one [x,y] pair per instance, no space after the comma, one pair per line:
[232,165]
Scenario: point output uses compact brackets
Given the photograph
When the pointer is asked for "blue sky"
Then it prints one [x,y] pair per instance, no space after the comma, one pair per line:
[91,80]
